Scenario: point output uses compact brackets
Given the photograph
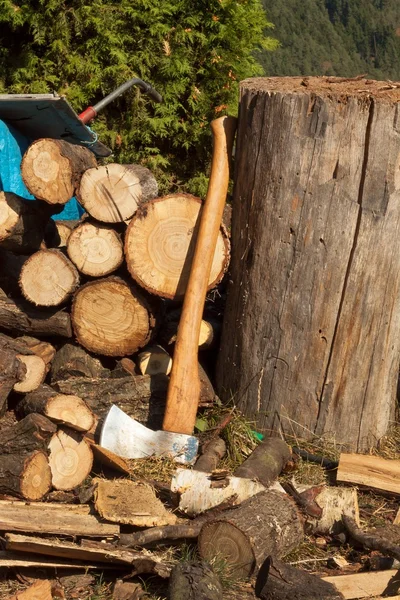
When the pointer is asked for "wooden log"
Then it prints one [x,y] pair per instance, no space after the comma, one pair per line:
[48,278]
[124,367]
[52,169]
[57,233]
[154,360]
[108,459]
[74,361]
[23,223]
[159,246]
[209,331]
[12,370]
[366,585]
[70,460]
[10,270]
[211,453]
[194,580]
[35,373]
[112,317]
[266,524]
[64,409]
[25,475]
[26,379]
[31,433]
[95,553]
[313,161]
[21,317]
[112,193]
[53,518]
[370,471]
[45,350]
[130,503]
[280,581]
[335,502]
[266,461]
[95,249]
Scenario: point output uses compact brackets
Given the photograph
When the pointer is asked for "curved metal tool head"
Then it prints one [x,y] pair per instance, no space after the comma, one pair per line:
[126,437]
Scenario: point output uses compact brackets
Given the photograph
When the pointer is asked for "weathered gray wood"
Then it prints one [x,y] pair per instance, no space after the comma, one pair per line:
[311,339]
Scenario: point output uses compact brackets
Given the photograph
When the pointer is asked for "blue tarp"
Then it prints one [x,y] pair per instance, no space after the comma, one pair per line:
[12,147]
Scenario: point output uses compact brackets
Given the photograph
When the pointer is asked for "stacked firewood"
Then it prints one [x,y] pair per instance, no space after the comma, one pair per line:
[109,285]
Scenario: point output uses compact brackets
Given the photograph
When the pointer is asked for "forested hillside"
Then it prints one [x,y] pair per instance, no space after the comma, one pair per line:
[335,37]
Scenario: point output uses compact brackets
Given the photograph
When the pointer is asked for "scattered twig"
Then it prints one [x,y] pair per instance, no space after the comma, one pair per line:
[370,541]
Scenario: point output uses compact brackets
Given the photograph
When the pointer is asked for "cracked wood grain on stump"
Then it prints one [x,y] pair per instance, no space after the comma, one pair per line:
[311,340]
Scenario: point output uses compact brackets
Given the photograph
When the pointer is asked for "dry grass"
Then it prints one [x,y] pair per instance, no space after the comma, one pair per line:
[154,468]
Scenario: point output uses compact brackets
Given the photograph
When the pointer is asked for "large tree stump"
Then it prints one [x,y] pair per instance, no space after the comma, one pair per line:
[311,334]
[268,523]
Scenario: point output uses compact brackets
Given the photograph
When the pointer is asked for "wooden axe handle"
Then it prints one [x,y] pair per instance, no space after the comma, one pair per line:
[184,386]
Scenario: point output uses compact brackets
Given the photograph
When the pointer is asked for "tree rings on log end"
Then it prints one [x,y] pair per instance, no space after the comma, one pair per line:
[71,459]
[160,242]
[48,278]
[96,250]
[36,476]
[35,373]
[111,317]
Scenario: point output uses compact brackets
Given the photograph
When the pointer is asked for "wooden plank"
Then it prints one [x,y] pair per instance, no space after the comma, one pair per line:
[370,471]
[59,519]
[19,560]
[366,585]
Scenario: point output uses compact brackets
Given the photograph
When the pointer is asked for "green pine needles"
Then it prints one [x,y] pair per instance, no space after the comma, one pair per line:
[194,52]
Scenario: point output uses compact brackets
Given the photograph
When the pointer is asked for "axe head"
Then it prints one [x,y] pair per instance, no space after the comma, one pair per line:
[126,437]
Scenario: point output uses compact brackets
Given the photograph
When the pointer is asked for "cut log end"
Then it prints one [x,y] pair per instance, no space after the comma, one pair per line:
[48,278]
[154,360]
[36,476]
[71,411]
[159,246]
[70,459]
[226,541]
[109,317]
[96,250]
[112,193]
[50,169]
[10,209]
[35,373]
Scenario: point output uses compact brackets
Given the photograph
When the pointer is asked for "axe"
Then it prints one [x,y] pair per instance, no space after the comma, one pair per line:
[184,386]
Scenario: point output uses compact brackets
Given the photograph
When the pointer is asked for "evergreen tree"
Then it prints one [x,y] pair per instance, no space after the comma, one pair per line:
[194,52]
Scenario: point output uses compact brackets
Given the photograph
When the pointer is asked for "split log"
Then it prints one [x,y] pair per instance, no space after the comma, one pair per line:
[194,581]
[209,332]
[108,459]
[211,453]
[70,460]
[48,278]
[130,503]
[367,585]
[21,317]
[45,350]
[112,317]
[154,360]
[141,397]
[303,299]
[35,367]
[199,491]
[266,462]
[36,371]
[74,361]
[17,560]
[95,249]
[25,475]
[32,433]
[64,409]
[57,233]
[52,169]
[159,246]
[105,553]
[112,193]
[280,581]
[369,471]
[266,524]
[23,222]
[53,518]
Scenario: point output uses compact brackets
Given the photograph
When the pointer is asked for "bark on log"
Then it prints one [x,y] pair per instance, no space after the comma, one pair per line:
[266,461]
[25,380]
[95,249]
[12,370]
[52,169]
[266,524]
[35,373]
[159,246]
[70,460]
[31,433]
[10,270]
[280,581]
[48,278]
[211,453]
[26,475]
[41,348]
[64,409]
[23,222]
[57,233]
[21,317]
[194,581]
[319,164]
[113,317]
[112,193]
[73,361]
